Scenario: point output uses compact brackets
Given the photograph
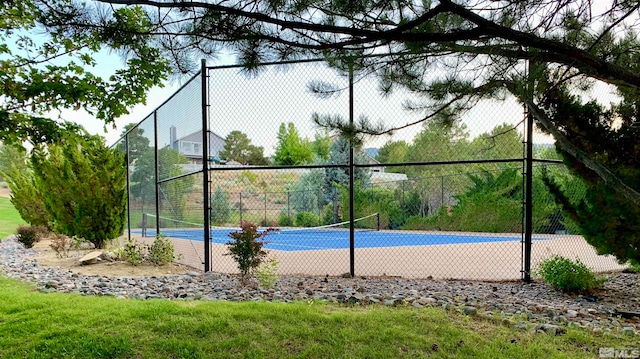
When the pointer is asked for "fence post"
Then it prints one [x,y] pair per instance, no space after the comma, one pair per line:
[265,209]
[442,191]
[402,205]
[289,206]
[205,169]
[528,201]
[240,206]
[126,146]
[157,174]
[528,195]
[335,204]
[352,270]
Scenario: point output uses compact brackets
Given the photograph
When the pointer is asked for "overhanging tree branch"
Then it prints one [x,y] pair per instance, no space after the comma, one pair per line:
[609,177]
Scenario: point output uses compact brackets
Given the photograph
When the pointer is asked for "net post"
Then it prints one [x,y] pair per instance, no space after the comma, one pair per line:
[378,221]
[144,224]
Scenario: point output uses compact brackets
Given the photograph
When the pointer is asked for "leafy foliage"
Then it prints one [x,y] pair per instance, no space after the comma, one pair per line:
[25,196]
[137,143]
[267,272]
[85,187]
[132,252]
[284,220]
[50,66]
[492,202]
[61,244]
[238,147]
[339,177]
[306,219]
[220,209]
[393,152]
[246,248]
[568,276]
[321,146]
[161,251]
[307,193]
[172,193]
[291,148]
[28,235]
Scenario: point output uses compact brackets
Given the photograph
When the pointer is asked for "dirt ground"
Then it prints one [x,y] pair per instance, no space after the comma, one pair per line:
[48,257]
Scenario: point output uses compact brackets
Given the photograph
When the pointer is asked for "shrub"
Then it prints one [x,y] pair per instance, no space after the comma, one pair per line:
[307,219]
[328,214]
[161,251]
[61,245]
[246,248]
[28,235]
[246,176]
[566,275]
[132,252]
[267,272]
[284,220]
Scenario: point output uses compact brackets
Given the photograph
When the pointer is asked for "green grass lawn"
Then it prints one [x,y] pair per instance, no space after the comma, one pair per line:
[54,325]
[38,325]
[9,218]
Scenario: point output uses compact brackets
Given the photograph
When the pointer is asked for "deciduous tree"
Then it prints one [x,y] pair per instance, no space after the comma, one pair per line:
[291,148]
[238,147]
[47,63]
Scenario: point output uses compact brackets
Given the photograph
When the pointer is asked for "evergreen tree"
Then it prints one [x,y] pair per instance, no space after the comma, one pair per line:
[608,219]
[25,196]
[307,194]
[83,183]
[220,209]
[337,177]
[137,143]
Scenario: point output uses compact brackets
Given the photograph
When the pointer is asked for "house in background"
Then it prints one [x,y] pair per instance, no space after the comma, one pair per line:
[190,146]
[372,161]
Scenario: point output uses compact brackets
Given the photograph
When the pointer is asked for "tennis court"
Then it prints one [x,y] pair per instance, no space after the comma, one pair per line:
[309,239]
[411,254]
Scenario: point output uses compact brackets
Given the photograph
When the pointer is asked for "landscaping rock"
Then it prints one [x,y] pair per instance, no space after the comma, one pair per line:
[508,302]
[90,257]
[628,330]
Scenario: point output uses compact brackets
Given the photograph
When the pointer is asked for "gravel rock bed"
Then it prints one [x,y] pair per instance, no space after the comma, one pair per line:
[527,306]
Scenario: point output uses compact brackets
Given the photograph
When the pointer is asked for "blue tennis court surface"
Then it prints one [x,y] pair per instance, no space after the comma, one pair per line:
[302,240]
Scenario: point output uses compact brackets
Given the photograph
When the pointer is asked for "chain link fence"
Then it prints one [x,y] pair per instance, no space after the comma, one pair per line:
[432,200]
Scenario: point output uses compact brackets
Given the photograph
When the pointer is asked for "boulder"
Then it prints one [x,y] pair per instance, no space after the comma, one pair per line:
[90,257]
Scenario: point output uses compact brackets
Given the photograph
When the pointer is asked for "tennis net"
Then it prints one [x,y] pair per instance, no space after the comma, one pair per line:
[363,224]
[186,229]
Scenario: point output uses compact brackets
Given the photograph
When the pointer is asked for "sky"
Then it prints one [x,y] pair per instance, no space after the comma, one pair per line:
[257,105]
